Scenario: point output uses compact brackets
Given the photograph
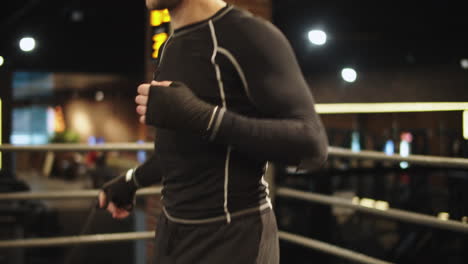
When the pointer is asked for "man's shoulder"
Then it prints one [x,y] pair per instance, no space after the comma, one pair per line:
[239,15]
[247,26]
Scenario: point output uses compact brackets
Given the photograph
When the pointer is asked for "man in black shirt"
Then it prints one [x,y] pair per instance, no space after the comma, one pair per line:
[228,97]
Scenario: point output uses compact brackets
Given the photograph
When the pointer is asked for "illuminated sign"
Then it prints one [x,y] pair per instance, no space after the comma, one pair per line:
[465,124]
[405,148]
[159,20]
[354,108]
[158,40]
[59,120]
[158,17]
[1,124]
[389,148]
[355,142]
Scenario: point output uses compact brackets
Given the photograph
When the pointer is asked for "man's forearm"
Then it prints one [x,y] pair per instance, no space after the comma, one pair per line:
[148,173]
[299,134]
[286,140]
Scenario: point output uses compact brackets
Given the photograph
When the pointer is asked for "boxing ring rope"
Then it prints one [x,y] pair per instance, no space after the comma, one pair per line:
[410,217]
[433,161]
[401,215]
[56,147]
[62,195]
[396,214]
[328,248]
[121,237]
[74,240]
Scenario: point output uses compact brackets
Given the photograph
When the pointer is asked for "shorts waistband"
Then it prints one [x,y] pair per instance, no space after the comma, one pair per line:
[221,218]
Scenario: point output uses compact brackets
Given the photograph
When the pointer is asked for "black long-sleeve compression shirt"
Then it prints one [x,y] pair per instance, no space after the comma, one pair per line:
[261,109]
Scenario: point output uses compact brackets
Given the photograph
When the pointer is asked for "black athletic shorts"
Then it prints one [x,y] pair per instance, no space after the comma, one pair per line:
[248,239]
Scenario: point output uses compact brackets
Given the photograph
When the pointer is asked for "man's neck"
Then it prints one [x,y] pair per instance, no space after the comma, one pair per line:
[193,11]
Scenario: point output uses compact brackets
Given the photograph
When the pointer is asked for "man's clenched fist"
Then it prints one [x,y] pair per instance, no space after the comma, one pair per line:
[142,97]
[174,106]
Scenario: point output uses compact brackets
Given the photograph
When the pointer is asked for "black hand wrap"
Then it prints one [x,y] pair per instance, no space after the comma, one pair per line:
[121,192]
[177,107]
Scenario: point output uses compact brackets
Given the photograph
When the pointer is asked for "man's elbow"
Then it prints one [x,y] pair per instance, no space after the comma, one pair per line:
[316,150]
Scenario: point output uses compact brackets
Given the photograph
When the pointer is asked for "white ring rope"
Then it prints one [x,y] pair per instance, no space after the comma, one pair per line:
[416,218]
[433,161]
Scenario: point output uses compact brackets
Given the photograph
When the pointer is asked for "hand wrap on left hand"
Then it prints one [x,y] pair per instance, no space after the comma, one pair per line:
[121,190]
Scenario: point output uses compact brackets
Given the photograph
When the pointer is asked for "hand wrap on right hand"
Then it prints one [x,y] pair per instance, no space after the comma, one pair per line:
[177,107]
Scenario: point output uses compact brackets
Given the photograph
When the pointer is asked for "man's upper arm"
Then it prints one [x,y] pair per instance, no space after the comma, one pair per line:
[275,82]
[276,86]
